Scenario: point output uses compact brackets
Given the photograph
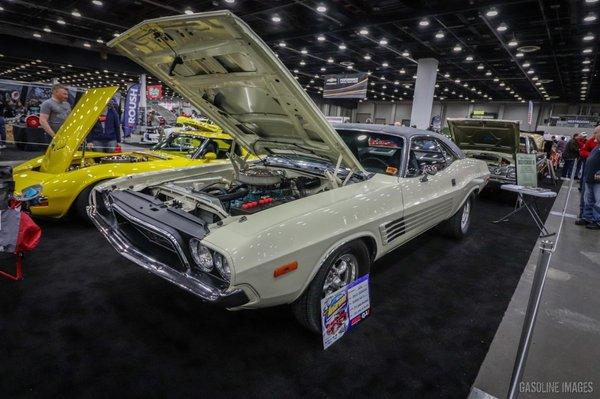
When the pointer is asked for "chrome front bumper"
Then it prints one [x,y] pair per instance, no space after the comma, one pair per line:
[227,299]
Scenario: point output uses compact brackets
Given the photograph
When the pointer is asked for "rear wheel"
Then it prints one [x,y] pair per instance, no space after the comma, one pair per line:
[344,265]
[458,225]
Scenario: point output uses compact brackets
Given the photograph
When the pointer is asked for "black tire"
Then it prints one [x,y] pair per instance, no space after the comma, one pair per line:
[307,308]
[82,201]
[454,227]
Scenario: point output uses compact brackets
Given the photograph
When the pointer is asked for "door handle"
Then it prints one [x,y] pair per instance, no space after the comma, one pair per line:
[453,182]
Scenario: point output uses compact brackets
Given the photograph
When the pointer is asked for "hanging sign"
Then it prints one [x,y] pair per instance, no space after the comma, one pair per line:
[131,113]
[154,92]
[346,86]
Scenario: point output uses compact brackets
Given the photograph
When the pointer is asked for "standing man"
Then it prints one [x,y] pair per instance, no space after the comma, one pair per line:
[570,154]
[2,127]
[105,135]
[55,110]
[591,178]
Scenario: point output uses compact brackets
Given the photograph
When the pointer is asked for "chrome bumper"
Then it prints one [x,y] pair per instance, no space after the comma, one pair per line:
[228,299]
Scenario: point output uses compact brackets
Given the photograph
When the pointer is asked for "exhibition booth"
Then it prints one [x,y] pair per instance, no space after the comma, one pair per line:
[235,211]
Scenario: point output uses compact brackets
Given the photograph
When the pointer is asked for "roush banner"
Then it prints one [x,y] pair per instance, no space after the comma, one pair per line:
[346,86]
[131,113]
[154,92]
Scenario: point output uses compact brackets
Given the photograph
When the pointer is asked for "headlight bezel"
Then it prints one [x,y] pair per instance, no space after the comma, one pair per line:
[201,255]
[211,261]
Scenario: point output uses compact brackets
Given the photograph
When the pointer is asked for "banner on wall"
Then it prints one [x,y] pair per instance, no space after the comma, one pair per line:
[131,111]
[530,113]
[154,92]
[346,86]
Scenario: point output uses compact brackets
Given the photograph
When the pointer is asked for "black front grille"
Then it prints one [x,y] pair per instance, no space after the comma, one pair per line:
[150,243]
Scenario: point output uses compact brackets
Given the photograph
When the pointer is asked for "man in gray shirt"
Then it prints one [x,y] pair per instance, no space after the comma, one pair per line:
[55,110]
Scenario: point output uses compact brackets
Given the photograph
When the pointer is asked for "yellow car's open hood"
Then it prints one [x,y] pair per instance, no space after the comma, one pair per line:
[74,130]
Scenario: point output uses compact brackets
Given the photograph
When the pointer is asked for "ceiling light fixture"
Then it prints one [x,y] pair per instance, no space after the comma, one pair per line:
[586,61]
[367,57]
[502,27]
[519,55]
[488,73]
[469,58]
[591,17]
[304,51]
[402,71]
[405,53]
[99,40]
[321,38]
[440,35]
[321,8]
[188,11]
[492,12]
[37,35]
[587,51]
[276,18]
[363,31]
[86,44]
[385,64]
[457,48]
[48,30]
[342,46]
[61,21]
[586,69]
[282,44]
[330,60]
[588,37]
[526,64]
[480,66]
[383,42]
[76,13]
[424,22]
[513,42]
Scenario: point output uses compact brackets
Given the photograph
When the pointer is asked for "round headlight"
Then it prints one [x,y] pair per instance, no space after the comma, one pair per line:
[201,255]
[222,266]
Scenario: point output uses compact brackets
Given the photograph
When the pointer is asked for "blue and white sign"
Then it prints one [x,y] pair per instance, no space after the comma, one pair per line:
[343,309]
[131,113]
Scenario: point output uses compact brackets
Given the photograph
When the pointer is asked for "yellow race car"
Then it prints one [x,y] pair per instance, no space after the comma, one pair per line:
[67,173]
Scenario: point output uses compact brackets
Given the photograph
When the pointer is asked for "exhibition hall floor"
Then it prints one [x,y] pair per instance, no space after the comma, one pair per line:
[86,322]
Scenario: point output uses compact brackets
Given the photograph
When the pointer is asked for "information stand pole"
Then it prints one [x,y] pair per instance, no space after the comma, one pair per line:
[535,296]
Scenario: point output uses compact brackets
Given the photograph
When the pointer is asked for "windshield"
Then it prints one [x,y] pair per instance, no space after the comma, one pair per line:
[376,152]
[194,146]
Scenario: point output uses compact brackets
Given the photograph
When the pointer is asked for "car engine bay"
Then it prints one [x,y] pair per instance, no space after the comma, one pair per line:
[243,192]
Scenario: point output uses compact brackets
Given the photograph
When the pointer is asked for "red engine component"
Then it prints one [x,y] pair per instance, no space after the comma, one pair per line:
[254,204]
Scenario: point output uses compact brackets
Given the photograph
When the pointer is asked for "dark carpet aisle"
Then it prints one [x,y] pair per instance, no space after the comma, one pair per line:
[87,323]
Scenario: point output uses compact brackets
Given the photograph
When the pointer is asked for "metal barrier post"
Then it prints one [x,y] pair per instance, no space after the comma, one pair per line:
[535,296]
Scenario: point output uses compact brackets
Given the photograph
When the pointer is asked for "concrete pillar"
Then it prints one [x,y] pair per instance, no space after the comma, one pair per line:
[423,97]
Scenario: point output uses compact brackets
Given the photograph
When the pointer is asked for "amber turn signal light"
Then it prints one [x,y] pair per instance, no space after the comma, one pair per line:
[288,267]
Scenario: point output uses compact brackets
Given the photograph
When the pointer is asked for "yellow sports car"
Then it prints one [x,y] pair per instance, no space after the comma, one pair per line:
[67,174]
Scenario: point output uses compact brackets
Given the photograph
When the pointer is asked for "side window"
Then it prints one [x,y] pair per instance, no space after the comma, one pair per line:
[448,154]
[426,152]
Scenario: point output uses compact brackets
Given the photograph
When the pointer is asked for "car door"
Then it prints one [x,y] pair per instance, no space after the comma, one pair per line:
[429,198]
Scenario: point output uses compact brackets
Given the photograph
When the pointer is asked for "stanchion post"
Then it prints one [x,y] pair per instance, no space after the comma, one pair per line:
[533,304]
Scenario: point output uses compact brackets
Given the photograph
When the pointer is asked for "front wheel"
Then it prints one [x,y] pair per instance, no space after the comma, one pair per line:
[344,265]
[458,225]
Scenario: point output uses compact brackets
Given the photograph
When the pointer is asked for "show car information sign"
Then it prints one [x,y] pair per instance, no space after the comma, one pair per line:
[527,170]
[344,309]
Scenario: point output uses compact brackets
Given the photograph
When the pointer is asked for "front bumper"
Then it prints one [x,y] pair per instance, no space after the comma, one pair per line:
[228,299]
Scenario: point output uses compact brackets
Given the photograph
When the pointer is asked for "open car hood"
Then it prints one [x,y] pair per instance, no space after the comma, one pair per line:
[225,70]
[485,134]
[74,130]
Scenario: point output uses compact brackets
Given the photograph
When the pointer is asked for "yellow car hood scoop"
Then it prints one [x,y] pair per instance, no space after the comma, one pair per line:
[75,129]
[225,70]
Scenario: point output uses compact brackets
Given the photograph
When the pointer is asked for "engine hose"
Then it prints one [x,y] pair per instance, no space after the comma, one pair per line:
[235,195]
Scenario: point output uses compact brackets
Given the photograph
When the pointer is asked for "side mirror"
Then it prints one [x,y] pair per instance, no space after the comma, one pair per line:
[210,156]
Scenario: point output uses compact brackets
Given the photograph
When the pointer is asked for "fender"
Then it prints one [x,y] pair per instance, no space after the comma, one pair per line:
[332,249]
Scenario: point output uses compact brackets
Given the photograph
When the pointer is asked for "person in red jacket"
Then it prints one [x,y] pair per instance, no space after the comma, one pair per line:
[584,153]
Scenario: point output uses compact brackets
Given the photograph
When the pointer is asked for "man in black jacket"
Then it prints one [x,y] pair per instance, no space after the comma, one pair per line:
[591,177]
[570,154]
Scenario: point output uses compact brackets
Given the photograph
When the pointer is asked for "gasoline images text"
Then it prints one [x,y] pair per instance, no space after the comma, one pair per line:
[556,387]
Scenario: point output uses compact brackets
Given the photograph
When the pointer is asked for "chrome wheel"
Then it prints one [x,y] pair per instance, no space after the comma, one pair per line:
[341,273]
[464,221]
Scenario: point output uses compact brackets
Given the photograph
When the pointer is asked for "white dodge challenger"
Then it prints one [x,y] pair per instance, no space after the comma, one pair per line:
[309,214]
